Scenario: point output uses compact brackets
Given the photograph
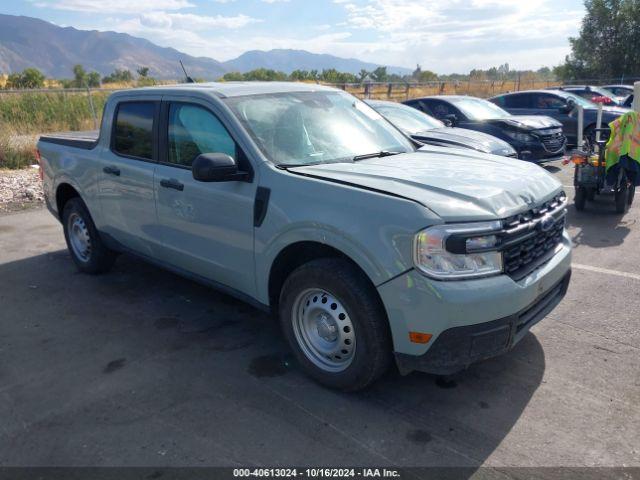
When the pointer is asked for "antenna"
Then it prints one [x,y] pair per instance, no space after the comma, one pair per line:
[189,79]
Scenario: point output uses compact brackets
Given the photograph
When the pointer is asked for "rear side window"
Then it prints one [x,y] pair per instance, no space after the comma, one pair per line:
[193,130]
[516,101]
[547,101]
[133,133]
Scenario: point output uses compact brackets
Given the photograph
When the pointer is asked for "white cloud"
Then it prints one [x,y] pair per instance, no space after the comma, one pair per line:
[189,21]
[115,6]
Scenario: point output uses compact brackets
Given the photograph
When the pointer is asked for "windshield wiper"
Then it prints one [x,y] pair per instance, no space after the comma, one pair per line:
[380,154]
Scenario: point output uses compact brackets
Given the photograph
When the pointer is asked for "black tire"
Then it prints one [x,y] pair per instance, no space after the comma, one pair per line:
[580,198]
[372,351]
[99,258]
[632,193]
[622,198]
[591,194]
[589,136]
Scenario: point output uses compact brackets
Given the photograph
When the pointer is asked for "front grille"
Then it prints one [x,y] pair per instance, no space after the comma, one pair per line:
[553,142]
[531,238]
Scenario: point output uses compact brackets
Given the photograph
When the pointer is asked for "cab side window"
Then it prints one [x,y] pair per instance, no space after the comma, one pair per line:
[133,130]
[194,130]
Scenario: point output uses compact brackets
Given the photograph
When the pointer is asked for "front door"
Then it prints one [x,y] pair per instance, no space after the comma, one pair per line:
[126,172]
[206,228]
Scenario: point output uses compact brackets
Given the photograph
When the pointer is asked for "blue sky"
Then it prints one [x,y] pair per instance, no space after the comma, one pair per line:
[444,36]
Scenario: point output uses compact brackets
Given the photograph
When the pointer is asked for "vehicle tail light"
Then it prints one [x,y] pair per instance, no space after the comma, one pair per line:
[39,162]
[601,99]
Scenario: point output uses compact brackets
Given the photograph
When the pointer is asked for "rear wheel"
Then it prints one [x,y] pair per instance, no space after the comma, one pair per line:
[580,198]
[85,245]
[632,193]
[335,324]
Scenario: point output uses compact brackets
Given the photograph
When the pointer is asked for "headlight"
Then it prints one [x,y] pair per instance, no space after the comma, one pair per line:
[520,136]
[458,251]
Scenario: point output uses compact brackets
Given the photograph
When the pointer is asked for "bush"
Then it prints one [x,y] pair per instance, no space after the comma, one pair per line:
[15,155]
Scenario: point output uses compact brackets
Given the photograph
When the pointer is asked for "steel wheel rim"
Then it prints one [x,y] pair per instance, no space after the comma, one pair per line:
[323,329]
[79,237]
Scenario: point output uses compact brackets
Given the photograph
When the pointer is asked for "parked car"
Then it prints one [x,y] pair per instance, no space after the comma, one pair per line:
[425,129]
[303,200]
[621,92]
[592,93]
[535,138]
[560,105]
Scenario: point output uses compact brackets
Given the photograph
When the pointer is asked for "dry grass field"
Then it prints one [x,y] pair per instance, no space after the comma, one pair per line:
[42,111]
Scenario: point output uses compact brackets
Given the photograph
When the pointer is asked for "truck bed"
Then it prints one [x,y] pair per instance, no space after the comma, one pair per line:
[85,140]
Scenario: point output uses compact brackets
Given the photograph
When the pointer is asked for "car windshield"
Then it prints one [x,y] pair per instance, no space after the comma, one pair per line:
[408,119]
[478,109]
[304,128]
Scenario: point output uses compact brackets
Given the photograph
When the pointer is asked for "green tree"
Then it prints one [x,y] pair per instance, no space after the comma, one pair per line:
[380,74]
[232,77]
[143,71]
[29,78]
[362,74]
[118,76]
[79,76]
[93,79]
[265,75]
[607,46]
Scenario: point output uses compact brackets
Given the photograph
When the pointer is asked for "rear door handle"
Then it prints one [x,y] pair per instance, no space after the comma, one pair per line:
[172,183]
[112,171]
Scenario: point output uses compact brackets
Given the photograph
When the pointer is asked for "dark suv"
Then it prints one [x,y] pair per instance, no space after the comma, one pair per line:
[561,106]
[535,138]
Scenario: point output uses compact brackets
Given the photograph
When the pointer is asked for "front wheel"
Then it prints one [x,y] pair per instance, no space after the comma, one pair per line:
[85,245]
[580,198]
[622,198]
[335,324]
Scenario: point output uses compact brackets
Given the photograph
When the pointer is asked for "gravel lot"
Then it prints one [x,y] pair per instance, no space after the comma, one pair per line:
[141,367]
[20,189]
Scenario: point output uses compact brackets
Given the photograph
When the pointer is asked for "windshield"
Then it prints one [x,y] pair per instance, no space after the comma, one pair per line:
[304,128]
[408,119]
[478,109]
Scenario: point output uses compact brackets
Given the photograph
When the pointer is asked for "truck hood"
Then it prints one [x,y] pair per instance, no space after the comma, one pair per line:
[461,137]
[456,184]
[527,123]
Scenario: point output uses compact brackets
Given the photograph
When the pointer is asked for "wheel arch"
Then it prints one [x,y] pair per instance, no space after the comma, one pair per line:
[297,254]
[64,193]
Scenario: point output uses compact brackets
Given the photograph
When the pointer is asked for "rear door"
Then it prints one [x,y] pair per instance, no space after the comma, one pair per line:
[127,167]
[206,228]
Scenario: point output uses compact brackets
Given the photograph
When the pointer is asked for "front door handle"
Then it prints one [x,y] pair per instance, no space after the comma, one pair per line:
[172,183]
[112,171]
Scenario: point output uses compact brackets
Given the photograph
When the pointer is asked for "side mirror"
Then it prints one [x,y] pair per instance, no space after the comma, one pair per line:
[447,122]
[216,167]
[568,107]
[451,118]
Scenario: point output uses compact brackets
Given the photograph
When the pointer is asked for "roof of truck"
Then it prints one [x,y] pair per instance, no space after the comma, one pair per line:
[237,89]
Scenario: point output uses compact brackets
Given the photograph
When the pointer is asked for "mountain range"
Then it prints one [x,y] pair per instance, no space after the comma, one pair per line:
[31,42]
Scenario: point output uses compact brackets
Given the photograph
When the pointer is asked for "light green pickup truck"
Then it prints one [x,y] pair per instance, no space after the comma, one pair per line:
[303,200]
